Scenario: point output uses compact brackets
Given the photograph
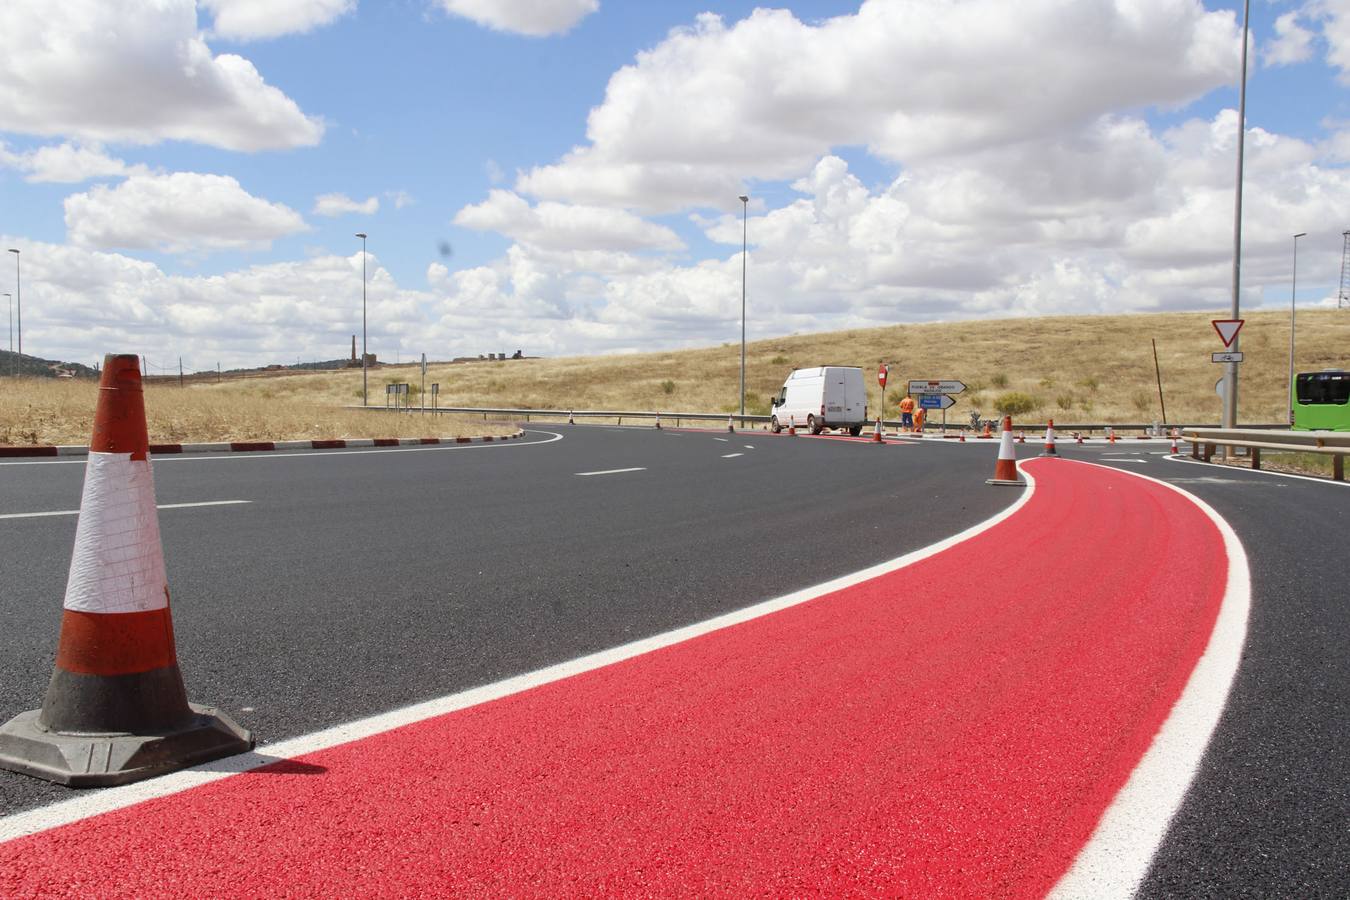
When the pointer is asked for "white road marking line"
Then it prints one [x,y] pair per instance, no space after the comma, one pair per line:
[1185,458]
[76,512]
[749,446]
[1117,856]
[235,457]
[723,440]
[731,455]
[1124,459]
[614,471]
[85,805]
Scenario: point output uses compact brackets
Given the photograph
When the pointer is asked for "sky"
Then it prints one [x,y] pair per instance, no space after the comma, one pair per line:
[562,177]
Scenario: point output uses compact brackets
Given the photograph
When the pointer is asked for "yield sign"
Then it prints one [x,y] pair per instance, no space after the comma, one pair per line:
[1228,329]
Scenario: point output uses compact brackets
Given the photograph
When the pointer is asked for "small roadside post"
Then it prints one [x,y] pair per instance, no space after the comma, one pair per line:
[435,389]
[423,394]
[883,371]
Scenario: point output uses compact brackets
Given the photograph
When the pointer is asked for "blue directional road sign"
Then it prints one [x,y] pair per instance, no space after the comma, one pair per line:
[936,401]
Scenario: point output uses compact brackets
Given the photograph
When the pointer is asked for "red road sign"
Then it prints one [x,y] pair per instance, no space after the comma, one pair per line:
[1228,329]
[881,375]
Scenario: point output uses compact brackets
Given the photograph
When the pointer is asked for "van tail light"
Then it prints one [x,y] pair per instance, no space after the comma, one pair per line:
[822,409]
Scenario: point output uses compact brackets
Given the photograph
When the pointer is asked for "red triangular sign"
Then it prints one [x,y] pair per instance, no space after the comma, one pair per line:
[1228,329]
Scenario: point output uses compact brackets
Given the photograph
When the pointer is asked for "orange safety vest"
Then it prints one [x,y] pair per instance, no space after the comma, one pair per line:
[907,405]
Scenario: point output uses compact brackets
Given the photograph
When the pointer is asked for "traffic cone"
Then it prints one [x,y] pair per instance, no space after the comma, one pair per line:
[1022,437]
[1078,436]
[876,433]
[731,427]
[987,432]
[115,709]
[1174,445]
[1005,470]
[658,421]
[1050,439]
[570,419]
[1110,434]
[792,426]
[962,439]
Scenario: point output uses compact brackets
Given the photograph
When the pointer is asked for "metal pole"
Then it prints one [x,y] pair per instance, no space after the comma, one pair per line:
[1158,372]
[745,217]
[1230,387]
[423,395]
[18,296]
[1293,288]
[365,395]
[11,333]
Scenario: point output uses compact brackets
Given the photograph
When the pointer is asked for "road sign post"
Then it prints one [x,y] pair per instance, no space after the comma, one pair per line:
[422,396]
[883,372]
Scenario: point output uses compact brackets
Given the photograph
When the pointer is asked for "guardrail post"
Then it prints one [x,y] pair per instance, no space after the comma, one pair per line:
[1255,453]
[1209,452]
[1338,467]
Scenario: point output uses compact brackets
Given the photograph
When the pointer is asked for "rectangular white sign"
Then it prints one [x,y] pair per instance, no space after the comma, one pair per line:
[1230,356]
[936,387]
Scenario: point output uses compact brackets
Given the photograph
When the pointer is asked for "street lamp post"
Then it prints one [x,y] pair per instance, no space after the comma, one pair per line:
[1230,399]
[745,218]
[365,397]
[11,332]
[1293,288]
[18,298]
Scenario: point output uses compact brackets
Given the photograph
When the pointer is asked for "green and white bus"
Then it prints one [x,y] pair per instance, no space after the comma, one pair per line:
[1321,401]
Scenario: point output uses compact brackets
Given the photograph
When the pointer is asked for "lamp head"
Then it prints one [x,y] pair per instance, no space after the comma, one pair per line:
[1300,234]
[744,199]
[361,235]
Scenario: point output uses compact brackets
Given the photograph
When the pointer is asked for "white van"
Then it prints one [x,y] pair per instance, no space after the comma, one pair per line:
[819,398]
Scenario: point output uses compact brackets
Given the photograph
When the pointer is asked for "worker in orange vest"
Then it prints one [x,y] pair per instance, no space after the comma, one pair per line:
[919,416]
[907,413]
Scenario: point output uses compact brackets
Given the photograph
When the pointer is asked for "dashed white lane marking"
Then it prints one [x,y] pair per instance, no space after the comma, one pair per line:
[731,455]
[76,512]
[615,471]
[1129,459]
[1117,856]
[82,806]
[723,440]
[749,446]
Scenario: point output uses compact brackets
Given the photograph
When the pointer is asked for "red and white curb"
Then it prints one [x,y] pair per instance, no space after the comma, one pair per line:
[262,446]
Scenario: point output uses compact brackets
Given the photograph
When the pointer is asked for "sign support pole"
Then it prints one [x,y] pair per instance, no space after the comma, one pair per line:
[1230,400]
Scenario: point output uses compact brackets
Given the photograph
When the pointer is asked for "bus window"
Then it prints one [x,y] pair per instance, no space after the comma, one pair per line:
[1322,388]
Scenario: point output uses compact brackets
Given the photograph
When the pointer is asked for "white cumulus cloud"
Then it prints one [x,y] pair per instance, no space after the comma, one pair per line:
[135,72]
[561,226]
[249,20]
[66,163]
[713,105]
[341,205]
[534,18]
[178,212]
[1292,44]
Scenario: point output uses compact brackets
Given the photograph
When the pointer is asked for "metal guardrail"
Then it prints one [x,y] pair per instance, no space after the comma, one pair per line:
[1335,444]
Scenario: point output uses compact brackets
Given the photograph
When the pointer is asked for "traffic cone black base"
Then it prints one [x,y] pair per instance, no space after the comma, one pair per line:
[104,760]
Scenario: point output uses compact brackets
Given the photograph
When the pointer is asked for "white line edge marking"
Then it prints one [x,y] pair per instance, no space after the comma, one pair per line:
[222,456]
[1120,852]
[76,512]
[82,807]
[614,471]
[731,455]
[1185,458]
[723,440]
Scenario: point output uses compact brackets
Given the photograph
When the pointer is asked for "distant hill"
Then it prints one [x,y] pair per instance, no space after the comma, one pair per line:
[37,367]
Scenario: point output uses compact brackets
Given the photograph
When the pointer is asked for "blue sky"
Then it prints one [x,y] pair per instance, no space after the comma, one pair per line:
[909,160]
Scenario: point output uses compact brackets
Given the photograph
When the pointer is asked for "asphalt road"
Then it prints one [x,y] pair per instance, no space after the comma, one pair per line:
[352,583]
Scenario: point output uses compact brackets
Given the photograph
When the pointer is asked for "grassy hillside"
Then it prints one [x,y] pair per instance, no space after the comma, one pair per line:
[1073,369]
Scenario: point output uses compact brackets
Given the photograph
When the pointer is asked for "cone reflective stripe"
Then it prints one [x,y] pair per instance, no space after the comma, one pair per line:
[115,710]
[1005,469]
[876,433]
[1050,439]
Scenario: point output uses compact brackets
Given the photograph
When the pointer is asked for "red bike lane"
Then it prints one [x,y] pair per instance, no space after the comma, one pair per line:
[953,728]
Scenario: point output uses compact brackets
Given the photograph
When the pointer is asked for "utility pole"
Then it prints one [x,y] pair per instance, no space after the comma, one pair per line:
[1230,386]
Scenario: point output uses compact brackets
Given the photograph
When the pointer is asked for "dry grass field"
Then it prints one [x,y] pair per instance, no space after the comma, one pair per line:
[60,411]
[1072,369]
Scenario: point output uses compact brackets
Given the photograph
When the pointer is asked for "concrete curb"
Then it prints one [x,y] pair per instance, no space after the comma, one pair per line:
[261,446]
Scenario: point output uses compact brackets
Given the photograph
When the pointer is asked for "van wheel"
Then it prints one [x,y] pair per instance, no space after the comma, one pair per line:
[813,426]
[774,426]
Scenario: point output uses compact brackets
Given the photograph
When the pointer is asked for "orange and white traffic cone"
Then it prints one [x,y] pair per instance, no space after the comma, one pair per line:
[987,432]
[876,433]
[1110,434]
[1078,436]
[658,421]
[1174,445]
[962,439]
[792,426]
[570,419]
[1022,437]
[731,427]
[1005,470]
[1050,440]
[115,710]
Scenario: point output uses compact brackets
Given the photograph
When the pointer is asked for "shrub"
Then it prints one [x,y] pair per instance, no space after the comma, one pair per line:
[667,387]
[1089,383]
[1015,403]
[779,360]
[1047,382]
[1142,401]
[999,381]
[1064,401]
[1085,404]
